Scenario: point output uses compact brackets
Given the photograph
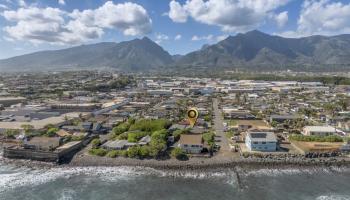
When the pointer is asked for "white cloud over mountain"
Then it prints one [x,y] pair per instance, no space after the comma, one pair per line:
[281,19]
[161,37]
[230,15]
[323,17]
[56,26]
[198,38]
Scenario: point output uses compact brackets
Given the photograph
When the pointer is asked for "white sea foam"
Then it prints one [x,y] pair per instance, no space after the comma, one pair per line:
[292,171]
[24,176]
[12,178]
[333,197]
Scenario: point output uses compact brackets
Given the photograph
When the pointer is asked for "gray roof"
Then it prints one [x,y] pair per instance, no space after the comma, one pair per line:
[177,126]
[320,129]
[284,116]
[120,144]
[262,136]
[145,140]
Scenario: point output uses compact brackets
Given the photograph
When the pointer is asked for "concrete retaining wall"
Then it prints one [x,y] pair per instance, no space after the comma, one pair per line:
[47,156]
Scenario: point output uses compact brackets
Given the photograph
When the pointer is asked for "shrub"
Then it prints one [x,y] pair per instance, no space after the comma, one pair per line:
[123,136]
[209,137]
[11,133]
[123,153]
[77,138]
[51,132]
[98,152]
[178,153]
[121,128]
[136,136]
[207,118]
[304,138]
[133,152]
[149,125]
[95,143]
[144,151]
[158,142]
[156,147]
[113,154]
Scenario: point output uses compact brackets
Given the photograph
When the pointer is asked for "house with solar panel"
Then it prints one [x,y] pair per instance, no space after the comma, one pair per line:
[261,141]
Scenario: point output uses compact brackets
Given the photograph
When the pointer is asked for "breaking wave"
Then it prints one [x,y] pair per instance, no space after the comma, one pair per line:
[333,197]
[13,177]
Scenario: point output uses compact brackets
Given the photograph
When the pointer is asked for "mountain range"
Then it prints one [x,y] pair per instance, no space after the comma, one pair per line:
[253,49]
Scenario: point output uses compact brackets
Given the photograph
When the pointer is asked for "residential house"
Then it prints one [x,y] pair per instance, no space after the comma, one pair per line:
[319,130]
[261,141]
[191,143]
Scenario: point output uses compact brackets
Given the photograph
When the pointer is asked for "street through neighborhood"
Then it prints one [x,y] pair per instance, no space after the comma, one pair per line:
[219,130]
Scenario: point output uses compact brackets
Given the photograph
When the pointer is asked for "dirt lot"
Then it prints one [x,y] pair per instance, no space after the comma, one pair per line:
[317,146]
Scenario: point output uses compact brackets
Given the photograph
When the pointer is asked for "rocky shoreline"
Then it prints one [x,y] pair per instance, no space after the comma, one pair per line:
[213,163]
[83,159]
[192,164]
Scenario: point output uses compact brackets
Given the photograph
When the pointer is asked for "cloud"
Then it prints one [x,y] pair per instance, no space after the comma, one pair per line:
[22,3]
[3,6]
[323,17]
[61,2]
[221,37]
[178,37]
[177,13]
[161,37]
[130,18]
[281,19]
[230,15]
[56,26]
[198,38]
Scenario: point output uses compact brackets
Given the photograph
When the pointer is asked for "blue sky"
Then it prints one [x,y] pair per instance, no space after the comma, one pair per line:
[179,26]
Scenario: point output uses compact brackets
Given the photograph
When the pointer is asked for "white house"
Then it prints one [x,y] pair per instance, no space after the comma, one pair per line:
[319,130]
[261,141]
[191,143]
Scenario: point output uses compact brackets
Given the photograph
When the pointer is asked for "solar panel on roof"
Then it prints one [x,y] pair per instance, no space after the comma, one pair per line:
[258,135]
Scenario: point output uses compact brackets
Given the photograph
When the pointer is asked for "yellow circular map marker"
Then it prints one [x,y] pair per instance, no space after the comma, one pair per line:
[192,115]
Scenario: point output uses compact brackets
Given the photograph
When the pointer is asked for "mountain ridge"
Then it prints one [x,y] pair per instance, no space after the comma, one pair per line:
[244,50]
[123,55]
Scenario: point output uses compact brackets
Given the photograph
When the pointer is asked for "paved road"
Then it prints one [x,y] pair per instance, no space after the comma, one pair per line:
[219,129]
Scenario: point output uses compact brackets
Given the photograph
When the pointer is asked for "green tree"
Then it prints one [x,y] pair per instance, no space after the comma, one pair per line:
[52,132]
[149,125]
[48,126]
[344,103]
[95,143]
[27,128]
[144,151]
[112,154]
[121,128]
[133,151]
[178,153]
[98,152]
[11,133]
[136,136]
[177,133]
[209,137]
[123,136]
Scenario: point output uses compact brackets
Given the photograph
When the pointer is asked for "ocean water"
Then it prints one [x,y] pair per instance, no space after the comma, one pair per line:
[144,183]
